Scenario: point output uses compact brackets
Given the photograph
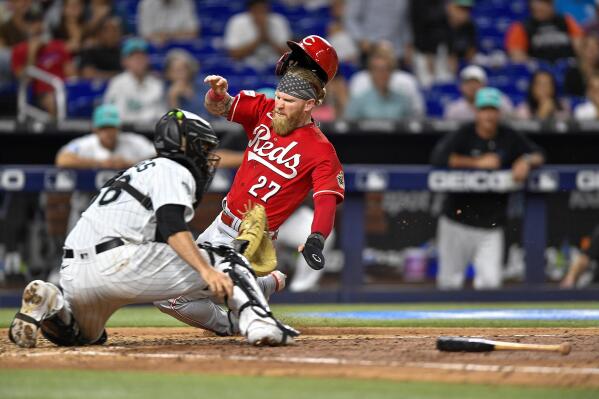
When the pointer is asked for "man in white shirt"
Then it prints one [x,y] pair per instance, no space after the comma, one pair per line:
[105,148]
[160,21]
[257,36]
[588,109]
[138,95]
[472,78]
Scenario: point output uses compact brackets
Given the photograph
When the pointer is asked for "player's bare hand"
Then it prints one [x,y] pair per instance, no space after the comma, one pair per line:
[489,161]
[220,283]
[218,84]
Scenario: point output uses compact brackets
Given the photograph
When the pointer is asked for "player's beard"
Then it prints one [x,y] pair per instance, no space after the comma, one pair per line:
[284,125]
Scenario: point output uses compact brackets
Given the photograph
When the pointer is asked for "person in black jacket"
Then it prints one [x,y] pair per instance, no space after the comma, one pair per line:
[471,227]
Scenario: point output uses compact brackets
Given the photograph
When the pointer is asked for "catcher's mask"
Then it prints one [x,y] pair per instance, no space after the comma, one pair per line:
[181,133]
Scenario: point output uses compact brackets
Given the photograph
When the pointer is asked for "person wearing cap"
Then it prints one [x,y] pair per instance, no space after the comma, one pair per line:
[470,228]
[472,78]
[257,36]
[137,94]
[105,148]
[51,56]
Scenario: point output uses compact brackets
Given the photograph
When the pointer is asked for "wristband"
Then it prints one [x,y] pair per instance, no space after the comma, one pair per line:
[212,96]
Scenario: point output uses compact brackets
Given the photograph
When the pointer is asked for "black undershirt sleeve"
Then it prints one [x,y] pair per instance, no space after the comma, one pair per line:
[170,219]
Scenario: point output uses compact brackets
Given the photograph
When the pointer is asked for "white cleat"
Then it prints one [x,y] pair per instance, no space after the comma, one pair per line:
[264,332]
[39,298]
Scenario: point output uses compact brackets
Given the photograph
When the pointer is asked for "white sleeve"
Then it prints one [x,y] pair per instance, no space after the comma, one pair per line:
[172,184]
[190,20]
[234,33]
[144,19]
[145,148]
[282,32]
[74,146]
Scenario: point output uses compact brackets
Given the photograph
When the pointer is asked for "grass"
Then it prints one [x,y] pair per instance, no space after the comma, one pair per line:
[67,384]
[151,317]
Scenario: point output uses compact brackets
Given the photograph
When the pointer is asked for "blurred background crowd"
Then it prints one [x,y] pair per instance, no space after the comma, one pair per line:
[123,63]
[399,59]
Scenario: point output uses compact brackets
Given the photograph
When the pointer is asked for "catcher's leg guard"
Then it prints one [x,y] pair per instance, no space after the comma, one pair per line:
[256,320]
[40,301]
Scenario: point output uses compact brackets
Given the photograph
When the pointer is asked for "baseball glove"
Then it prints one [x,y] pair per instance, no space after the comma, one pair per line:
[253,242]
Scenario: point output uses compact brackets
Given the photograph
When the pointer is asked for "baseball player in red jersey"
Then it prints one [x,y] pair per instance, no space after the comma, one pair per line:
[286,157]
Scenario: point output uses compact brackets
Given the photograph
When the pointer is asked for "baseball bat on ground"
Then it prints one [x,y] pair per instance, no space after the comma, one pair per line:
[459,344]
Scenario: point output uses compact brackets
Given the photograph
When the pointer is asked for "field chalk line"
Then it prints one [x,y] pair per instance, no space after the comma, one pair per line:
[472,367]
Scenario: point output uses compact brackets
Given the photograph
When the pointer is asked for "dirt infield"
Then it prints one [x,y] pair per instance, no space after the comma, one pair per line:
[406,354]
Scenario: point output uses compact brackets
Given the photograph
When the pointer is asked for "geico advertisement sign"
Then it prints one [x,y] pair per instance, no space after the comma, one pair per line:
[587,180]
[12,179]
[479,181]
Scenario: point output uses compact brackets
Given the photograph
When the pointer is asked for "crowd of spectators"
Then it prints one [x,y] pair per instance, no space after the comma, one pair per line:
[394,54]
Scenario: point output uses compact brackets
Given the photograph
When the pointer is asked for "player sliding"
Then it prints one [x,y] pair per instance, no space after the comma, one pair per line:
[286,157]
[132,245]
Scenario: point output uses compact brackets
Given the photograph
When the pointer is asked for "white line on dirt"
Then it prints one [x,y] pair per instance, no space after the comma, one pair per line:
[471,367]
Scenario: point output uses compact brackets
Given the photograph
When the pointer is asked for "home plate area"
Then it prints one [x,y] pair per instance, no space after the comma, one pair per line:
[406,354]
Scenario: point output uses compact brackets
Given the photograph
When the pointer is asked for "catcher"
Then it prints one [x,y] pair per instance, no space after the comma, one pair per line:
[132,245]
[286,157]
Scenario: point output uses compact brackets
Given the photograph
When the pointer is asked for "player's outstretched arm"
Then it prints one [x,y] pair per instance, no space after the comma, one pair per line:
[217,100]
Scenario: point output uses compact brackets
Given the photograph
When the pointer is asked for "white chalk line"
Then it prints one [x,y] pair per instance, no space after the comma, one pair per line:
[467,367]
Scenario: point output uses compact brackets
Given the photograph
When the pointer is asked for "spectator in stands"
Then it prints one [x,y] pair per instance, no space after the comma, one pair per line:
[138,95]
[370,22]
[183,91]
[471,227]
[546,35]
[582,261]
[430,29]
[14,30]
[462,33]
[400,82]
[381,101]
[339,37]
[105,148]
[589,110]
[103,59]
[161,21]
[472,78]
[542,102]
[71,28]
[577,76]
[257,36]
[48,55]
[99,11]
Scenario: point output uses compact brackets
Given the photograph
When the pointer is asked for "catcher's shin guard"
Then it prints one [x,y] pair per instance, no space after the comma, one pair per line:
[256,320]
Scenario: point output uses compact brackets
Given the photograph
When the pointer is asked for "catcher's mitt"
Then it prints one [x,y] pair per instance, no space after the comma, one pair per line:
[253,242]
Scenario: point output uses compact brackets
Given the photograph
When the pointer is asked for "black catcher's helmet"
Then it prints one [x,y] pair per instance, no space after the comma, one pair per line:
[182,134]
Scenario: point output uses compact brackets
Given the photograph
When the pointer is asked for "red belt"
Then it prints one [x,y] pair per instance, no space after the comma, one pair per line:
[226,219]
[229,221]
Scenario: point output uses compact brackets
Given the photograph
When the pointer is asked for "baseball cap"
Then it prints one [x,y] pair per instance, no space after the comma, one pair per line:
[464,3]
[106,115]
[474,72]
[487,97]
[133,45]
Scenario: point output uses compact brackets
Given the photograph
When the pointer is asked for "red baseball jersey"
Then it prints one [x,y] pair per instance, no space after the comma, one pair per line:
[279,171]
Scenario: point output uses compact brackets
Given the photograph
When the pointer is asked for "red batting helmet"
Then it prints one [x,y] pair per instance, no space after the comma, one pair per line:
[313,53]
